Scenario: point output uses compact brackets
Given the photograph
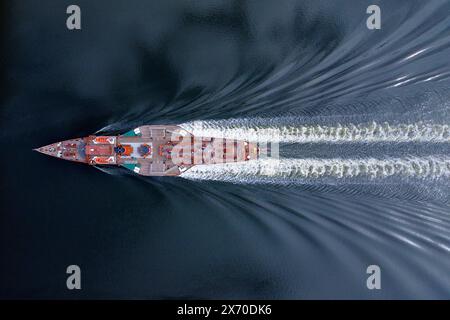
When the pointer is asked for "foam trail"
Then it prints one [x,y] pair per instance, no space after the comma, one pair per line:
[432,167]
[341,133]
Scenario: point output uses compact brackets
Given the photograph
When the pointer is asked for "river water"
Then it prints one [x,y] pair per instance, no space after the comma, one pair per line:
[361,117]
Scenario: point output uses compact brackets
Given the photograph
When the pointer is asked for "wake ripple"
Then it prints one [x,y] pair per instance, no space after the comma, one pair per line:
[372,132]
[432,167]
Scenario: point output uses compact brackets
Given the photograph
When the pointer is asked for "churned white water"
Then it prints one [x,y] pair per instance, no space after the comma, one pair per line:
[340,133]
[412,167]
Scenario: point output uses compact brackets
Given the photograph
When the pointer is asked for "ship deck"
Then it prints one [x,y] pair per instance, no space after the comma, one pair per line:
[154,136]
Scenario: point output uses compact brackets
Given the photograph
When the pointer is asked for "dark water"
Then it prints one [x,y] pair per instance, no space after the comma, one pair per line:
[362,116]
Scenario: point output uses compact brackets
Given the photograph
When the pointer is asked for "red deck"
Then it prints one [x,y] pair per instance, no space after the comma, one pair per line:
[99,150]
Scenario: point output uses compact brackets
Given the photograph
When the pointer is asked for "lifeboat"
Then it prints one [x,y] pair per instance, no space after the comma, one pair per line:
[104,160]
[104,140]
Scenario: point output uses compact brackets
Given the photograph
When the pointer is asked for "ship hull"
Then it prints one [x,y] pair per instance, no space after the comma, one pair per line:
[154,150]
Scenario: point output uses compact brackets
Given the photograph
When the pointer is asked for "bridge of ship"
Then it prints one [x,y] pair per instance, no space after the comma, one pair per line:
[154,163]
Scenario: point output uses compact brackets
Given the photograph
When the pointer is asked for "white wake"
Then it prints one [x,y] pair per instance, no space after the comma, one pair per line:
[432,167]
[371,132]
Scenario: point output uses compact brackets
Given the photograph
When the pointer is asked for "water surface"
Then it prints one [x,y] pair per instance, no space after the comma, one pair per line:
[362,118]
